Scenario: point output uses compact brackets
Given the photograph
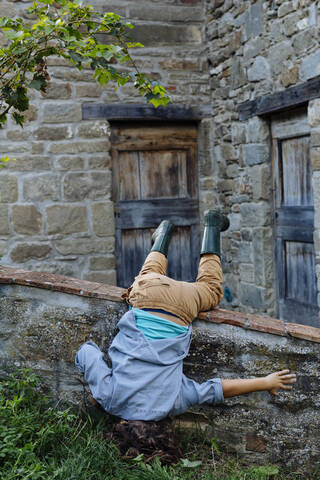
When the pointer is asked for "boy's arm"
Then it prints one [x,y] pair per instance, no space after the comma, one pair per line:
[271,383]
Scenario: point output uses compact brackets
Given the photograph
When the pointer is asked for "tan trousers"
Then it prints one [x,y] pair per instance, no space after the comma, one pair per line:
[153,289]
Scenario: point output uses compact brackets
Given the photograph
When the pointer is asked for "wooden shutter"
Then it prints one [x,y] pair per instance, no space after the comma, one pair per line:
[155,178]
[294,219]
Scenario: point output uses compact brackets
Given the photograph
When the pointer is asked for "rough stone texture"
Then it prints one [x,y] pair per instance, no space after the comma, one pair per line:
[81,186]
[310,66]
[41,187]
[42,329]
[22,252]
[256,154]
[220,53]
[103,218]
[66,219]
[26,219]
[8,189]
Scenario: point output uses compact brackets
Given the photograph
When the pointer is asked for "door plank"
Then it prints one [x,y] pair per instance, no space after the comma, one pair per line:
[163,174]
[296,172]
[128,176]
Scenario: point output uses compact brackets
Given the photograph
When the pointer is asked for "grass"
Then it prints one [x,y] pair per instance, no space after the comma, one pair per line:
[38,441]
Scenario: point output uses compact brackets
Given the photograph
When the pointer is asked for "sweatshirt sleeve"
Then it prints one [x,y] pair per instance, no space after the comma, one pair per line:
[193,393]
[90,361]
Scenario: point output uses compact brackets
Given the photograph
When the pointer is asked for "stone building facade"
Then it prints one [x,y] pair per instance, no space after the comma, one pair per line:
[57,212]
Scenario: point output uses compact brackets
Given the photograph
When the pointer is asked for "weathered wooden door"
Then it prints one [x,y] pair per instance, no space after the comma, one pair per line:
[155,177]
[294,219]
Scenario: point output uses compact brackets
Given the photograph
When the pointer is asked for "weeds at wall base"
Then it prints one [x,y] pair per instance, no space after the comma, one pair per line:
[40,442]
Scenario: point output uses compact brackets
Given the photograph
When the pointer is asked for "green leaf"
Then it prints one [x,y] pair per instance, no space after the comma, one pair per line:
[19,119]
[188,464]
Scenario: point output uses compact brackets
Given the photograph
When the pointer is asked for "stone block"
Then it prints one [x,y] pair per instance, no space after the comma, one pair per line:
[260,70]
[29,163]
[244,252]
[69,163]
[91,90]
[66,219]
[238,132]
[310,66]
[276,31]
[18,135]
[41,187]
[314,112]
[62,112]
[170,13]
[109,278]
[315,158]
[246,272]
[58,91]
[285,8]
[7,10]
[252,48]
[94,129]
[37,148]
[22,252]
[315,137]
[254,20]
[85,246]
[278,55]
[70,74]
[31,114]
[291,24]
[157,35]
[256,153]
[305,40]
[53,133]
[233,170]
[261,182]
[4,220]
[252,296]
[7,148]
[8,188]
[316,195]
[77,147]
[290,76]
[102,263]
[81,186]
[257,130]
[238,74]
[26,219]
[263,257]
[255,214]
[103,218]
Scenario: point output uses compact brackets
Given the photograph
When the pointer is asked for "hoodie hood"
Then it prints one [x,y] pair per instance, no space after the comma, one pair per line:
[132,342]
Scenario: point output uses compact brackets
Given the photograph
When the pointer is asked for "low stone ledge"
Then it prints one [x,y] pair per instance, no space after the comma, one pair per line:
[74,286]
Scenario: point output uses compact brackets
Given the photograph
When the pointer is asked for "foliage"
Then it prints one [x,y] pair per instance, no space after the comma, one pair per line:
[39,442]
[77,33]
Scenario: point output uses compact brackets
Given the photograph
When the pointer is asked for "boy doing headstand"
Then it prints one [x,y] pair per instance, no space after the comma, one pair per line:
[146,381]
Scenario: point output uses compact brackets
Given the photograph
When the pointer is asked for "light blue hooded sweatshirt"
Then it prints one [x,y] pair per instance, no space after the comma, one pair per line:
[146,380]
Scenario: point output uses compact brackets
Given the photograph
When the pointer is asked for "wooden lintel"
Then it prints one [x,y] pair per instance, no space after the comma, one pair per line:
[125,112]
[276,102]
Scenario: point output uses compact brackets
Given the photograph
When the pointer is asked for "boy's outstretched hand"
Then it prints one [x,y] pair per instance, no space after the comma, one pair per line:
[280,380]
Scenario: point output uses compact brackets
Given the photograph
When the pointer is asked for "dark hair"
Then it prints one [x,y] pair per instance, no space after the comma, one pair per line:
[150,438]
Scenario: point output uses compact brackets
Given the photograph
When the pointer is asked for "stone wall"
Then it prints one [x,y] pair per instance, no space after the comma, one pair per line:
[56,209]
[256,48]
[45,318]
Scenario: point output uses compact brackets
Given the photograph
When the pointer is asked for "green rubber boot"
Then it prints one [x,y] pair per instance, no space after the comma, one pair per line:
[214,223]
[161,237]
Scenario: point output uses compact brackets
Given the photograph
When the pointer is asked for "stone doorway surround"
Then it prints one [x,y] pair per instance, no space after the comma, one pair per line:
[257,114]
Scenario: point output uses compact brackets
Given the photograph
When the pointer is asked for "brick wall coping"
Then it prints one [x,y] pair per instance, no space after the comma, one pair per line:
[74,286]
